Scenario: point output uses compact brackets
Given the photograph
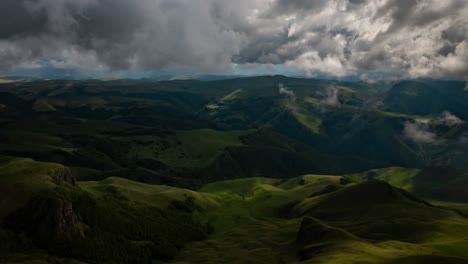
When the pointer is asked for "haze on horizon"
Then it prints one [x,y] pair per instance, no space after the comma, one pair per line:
[368,39]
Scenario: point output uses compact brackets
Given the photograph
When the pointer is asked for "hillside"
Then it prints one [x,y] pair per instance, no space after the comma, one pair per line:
[308,219]
[264,169]
[183,132]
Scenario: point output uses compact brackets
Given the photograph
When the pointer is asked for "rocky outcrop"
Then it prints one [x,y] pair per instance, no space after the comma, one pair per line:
[62,175]
[50,215]
[47,218]
[65,220]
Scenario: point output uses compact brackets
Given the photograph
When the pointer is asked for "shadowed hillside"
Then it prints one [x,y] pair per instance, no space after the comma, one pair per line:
[247,170]
[184,132]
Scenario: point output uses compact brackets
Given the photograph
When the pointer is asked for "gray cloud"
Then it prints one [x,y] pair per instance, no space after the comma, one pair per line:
[120,34]
[419,132]
[424,132]
[337,37]
[287,92]
[281,7]
[331,97]
[448,119]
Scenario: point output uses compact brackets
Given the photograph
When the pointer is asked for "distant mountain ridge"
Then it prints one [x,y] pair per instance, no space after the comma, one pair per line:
[298,125]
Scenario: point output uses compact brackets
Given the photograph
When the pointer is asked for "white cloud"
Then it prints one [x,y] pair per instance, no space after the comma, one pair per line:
[422,131]
[287,92]
[311,63]
[446,118]
[336,37]
[331,97]
[419,133]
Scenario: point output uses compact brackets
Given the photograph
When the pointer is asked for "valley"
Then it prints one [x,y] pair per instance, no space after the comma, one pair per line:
[266,169]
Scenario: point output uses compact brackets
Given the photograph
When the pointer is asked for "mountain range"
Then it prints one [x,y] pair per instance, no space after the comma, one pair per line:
[267,169]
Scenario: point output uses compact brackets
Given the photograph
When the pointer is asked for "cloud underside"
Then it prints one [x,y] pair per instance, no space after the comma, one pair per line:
[338,37]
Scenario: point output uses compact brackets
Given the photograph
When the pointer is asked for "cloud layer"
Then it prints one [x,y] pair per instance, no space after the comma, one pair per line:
[338,37]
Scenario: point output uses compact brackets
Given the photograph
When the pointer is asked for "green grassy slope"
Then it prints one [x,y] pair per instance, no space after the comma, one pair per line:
[370,222]
[436,183]
[181,132]
[23,179]
[159,196]
[236,149]
[44,212]
[309,219]
[193,149]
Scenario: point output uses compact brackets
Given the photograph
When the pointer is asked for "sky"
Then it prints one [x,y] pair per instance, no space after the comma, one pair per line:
[367,39]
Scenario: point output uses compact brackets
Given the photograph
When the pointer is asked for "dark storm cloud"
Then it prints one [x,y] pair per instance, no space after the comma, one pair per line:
[356,2]
[118,34]
[17,21]
[281,7]
[452,37]
[415,13]
[336,37]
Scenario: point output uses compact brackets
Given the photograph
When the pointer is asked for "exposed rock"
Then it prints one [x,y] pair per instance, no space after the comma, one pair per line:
[47,217]
[66,220]
[62,175]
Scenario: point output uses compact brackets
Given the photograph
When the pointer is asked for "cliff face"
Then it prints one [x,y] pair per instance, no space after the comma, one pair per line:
[66,220]
[62,216]
[47,218]
[62,175]
[50,214]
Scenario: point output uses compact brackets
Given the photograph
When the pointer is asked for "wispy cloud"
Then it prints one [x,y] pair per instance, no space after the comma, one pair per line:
[419,132]
[287,92]
[448,119]
[423,131]
[331,97]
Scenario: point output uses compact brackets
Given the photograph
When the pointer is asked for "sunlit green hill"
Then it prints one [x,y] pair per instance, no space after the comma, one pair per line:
[265,169]
[311,218]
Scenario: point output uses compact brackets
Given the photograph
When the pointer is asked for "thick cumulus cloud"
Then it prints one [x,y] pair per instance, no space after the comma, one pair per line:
[411,38]
[119,34]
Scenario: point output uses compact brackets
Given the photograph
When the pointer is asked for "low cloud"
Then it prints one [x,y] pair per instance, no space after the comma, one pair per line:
[448,119]
[419,132]
[331,97]
[378,77]
[287,92]
[423,132]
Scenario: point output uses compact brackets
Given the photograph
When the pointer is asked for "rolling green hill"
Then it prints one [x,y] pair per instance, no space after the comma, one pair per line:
[182,132]
[265,169]
[45,211]
[310,219]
